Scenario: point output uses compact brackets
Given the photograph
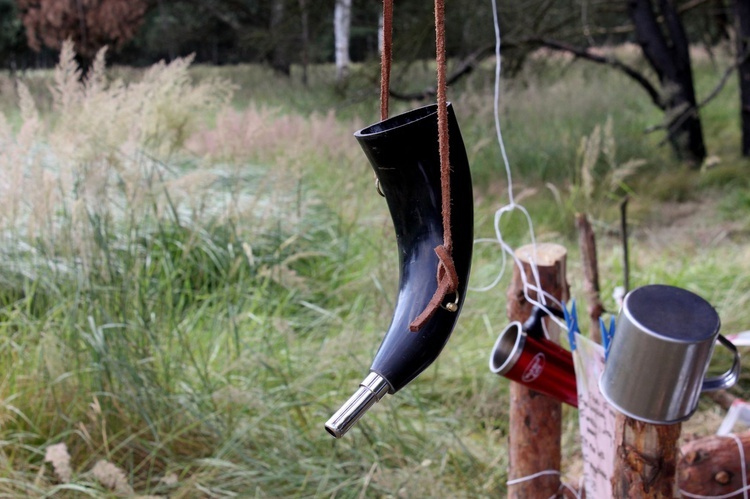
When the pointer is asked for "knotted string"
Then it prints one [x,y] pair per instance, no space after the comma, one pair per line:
[447,277]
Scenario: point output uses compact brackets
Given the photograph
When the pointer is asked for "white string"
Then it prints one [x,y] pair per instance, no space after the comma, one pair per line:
[723,496]
[542,295]
[531,477]
[563,485]
[573,491]
[507,250]
[745,487]
[498,131]
[742,463]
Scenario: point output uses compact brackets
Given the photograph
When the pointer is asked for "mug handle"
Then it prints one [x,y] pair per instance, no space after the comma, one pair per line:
[730,377]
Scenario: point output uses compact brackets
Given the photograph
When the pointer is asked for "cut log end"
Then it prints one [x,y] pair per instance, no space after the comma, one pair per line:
[544,254]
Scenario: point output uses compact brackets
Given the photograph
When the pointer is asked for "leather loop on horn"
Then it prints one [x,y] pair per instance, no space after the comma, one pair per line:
[447,283]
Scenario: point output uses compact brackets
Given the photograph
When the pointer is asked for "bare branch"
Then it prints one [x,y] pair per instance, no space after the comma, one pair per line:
[629,27]
[691,111]
[465,67]
[586,54]
[691,5]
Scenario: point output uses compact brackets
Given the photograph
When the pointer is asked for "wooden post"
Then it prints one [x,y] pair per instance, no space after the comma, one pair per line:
[645,459]
[712,466]
[587,244]
[624,236]
[535,419]
[722,397]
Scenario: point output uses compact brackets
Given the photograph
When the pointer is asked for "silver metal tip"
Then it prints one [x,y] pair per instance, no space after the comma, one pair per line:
[370,391]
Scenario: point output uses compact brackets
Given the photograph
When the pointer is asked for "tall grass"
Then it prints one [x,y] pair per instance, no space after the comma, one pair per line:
[196,271]
[150,300]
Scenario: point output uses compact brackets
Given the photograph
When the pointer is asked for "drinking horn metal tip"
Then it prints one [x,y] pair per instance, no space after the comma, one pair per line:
[403,151]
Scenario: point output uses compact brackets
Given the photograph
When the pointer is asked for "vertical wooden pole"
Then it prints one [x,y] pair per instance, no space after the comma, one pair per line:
[587,244]
[535,419]
[624,236]
[645,459]
[646,454]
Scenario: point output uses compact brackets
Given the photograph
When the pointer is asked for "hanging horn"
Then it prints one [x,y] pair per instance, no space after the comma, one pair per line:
[403,151]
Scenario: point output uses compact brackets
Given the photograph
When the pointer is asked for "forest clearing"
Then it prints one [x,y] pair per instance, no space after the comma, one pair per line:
[198,266]
[197,269]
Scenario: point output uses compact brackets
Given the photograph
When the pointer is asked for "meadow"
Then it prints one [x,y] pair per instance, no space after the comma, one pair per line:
[197,270]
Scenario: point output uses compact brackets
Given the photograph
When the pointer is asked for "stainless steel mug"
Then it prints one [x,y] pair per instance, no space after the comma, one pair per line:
[660,353]
[535,362]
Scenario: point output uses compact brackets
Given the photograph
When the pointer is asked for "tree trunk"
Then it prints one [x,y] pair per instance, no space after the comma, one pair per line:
[279,53]
[168,39]
[535,419]
[742,10]
[645,459]
[305,38]
[342,17]
[667,51]
[711,466]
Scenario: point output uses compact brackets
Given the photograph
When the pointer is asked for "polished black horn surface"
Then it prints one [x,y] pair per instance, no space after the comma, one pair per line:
[403,151]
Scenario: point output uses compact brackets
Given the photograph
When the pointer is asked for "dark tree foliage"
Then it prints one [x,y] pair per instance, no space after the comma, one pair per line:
[12,39]
[234,31]
[742,12]
[664,30]
[91,24]
[272,31]
[229,31]
[283,33]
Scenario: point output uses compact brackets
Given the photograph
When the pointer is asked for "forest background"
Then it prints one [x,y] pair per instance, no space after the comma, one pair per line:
[196,266]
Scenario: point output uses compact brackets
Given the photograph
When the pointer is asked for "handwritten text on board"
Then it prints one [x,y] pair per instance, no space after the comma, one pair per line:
[596,419]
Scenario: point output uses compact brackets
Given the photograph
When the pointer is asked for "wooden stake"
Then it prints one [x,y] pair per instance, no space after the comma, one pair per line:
[723,398]
[645,459]
[535,419]
[624,236]
[587,243]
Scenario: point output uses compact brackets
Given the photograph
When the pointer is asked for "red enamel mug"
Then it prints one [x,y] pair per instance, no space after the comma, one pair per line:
[536,363]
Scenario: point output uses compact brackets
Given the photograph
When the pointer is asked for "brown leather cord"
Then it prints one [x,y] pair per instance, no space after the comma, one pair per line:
[446,274]
[442,103]
[447,283]
[385,58]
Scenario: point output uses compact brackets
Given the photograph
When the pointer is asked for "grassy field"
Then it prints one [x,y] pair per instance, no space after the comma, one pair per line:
[196,271]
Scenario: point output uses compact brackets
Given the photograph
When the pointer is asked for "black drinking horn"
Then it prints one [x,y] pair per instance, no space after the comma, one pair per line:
[403,151]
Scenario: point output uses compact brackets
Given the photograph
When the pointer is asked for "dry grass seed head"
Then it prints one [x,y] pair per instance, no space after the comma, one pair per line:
[112,477]
[268,135]
[59,457]
[589,151]
[98,153]
[66,91]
